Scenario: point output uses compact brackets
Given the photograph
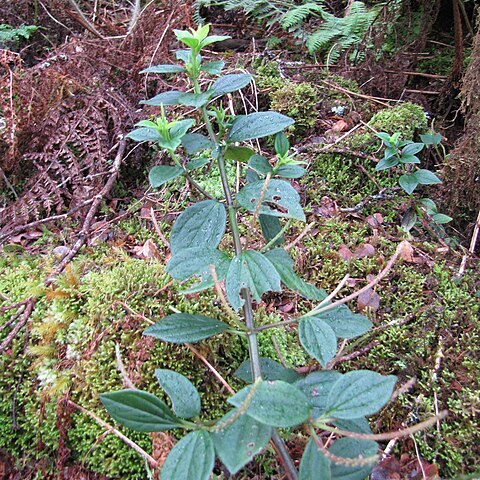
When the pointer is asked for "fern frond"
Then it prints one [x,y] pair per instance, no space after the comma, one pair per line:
[299,14]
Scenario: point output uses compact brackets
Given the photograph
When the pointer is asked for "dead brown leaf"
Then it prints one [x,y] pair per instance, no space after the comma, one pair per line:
[345,252]
[368,298]
[365,250]
[147,250]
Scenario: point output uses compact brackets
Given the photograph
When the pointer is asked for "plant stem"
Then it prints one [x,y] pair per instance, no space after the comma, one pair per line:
[247,306]
[276,237]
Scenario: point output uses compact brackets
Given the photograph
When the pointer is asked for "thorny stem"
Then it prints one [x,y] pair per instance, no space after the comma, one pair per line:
[247,307]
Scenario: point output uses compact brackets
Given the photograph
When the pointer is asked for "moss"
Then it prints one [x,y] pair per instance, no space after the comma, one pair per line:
[407,118]
[267,75]
[298,101]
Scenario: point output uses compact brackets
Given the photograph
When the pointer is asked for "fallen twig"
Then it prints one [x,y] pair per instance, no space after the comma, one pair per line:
[471,249]
[152,462]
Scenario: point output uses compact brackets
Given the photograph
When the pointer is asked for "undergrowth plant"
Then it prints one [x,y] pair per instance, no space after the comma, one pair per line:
[274,396]
[402,154]
[332,37]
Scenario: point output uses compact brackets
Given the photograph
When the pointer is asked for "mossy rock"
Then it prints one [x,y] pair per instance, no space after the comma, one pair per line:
[298,101]
[407,118]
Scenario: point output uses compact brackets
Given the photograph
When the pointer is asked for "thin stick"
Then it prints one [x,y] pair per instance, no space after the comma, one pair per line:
[471,249]
[341,284]
[36,223]
[7,183]
[262,194]
[29,306]
[157,228]
[153,463]
[135,16]
[304,232]
[218,288]
[370,285]
[84,20]
[406,432]
[121,368]
[350,462]
[355,94]
[211,368]
[354,295]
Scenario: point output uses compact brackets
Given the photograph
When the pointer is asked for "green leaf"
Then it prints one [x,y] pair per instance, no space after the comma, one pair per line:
[165,98]
[409,220]
[196,261]
[283,263]
[240,154]
[162,174]
[357,425]
[408,182]
[197,163]
[314,465]
[250,270]
[385,137]
[441,218]
[407,158]
[140,411]
[429,205]
[316,386]
[359,394]
[179,129]
[184,396]
[214,39]
[352,448]
[213,68]
[290,171]
[344,322]
[271,226]
[258,125]
[275,403]
[196,142]
[144,135]
[192,458]
[147,123]
[318,339]
[194,99]
[202,224]
[230,83]
[279,200]
[186,56]
[185,328]
[281,144]
[187,38]
[164,69]
[426,177]
[385,163]
[412,148]
[271,370]
[431,139]
[238,443]
[257,166]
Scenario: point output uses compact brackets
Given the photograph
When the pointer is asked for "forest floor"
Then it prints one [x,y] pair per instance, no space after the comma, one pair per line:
[84,245]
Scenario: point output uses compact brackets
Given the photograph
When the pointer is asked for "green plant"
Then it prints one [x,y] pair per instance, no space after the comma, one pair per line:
[403,153]
[275,396]
[332,37]
[9,34]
